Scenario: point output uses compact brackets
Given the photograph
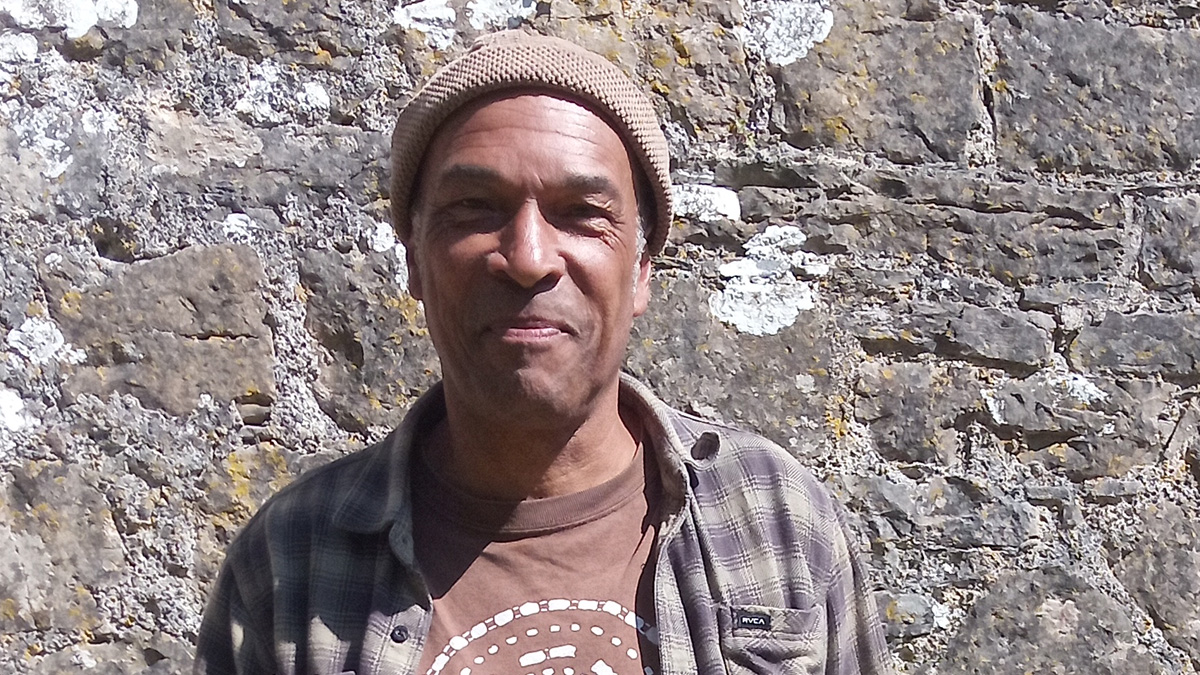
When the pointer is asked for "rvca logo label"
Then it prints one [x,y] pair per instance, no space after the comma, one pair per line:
[753,620]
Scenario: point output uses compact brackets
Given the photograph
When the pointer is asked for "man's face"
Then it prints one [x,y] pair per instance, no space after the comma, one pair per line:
[525,253]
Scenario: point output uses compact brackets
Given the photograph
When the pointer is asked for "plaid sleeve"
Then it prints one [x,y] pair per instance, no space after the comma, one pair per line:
[235,633]
[856,640]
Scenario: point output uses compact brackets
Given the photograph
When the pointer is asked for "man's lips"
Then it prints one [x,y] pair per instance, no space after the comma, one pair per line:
[523,328]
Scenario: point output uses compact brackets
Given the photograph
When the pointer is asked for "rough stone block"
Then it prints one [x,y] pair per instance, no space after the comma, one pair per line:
[1003,338]
[912,409]
[1162,572]
[1020,235]
[313,33]
[1088,95]
[908,91]
[906,615]
[1141,344]
[965,514]
[780,385]
[170,329]
[1170,255]
[380,355]
[58,544]
[155,40]
[1081,426]
[1046,621]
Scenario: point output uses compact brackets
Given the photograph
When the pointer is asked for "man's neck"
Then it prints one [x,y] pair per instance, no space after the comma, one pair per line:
[515,457]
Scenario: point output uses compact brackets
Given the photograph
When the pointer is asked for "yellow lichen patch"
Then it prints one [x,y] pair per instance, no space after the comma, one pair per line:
[70,303]
[9,609]
[837,127]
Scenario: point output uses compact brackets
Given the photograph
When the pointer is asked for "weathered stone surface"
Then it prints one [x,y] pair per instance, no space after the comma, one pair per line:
[913,409]
[965,514]
[906,615]
[170,329]
[1162,572]
[1170,255]
[1004,338]
[1092,96]
[1141,344]
[1045,622]
[315,33]
[58,545]
[155,40]
[909,92]
[779,384]
[380,355]
[1016,247]
[1083,427]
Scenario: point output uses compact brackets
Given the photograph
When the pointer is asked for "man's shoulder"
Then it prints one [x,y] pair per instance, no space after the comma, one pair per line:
[730,460]
[315,499]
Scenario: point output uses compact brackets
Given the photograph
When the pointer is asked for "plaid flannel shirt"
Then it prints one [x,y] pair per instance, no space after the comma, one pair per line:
[755,571]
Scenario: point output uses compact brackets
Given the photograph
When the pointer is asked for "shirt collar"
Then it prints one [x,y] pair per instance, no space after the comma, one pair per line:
[381,495]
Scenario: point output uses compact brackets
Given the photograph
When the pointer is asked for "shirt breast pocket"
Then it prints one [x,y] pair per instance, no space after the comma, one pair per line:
[758,639]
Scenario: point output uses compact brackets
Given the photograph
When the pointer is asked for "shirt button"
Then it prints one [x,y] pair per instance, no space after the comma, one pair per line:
[400,634]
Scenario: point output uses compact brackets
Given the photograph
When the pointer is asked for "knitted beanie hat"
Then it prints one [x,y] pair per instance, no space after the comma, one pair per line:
[512,59]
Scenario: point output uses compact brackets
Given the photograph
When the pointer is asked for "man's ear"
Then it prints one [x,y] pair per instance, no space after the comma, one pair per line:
[641,290]
[415,287]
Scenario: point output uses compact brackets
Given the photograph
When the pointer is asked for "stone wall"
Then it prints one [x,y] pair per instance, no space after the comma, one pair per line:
[946,252]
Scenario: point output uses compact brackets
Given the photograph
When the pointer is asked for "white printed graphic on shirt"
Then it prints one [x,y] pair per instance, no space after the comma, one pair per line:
[552,637]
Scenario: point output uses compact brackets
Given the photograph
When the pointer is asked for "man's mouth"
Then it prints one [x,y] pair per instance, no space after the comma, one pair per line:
[529,329]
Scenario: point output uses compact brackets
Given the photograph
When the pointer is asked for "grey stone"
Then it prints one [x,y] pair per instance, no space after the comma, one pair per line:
[170,329]
[780,385]
[380,355]
[906,615]
[1170,255]
[960,513]
[912,409]
[700,71]
[999,336]
[1141,344]
[1021,249]
[314,33]
[1162,572]
[1046,621]
[908,91]
[155,40]
[1082,427]
[1091,96]
[58,545]
[1003,338]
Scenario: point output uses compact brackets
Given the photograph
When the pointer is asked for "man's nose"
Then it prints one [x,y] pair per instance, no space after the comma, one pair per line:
[528,251]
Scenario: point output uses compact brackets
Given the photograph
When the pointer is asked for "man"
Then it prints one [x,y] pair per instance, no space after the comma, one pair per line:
[538,512]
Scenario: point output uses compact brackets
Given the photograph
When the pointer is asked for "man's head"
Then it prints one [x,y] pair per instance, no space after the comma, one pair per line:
[512,61]
[517,192]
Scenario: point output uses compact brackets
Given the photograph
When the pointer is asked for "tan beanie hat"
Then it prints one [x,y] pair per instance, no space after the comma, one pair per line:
[513,59]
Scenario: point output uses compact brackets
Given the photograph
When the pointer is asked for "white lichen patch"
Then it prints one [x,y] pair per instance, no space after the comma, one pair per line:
[706,203]
[761,307]
[260,102]
[784,30]
[434,18]
[237,227]
[39,341]
[76,16]
[313,99]
[382,238]
[12,410]
[17,47]
[762,295]
[485,14]
[42,130]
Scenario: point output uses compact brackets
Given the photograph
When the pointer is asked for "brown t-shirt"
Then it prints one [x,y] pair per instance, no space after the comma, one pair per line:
[555,586]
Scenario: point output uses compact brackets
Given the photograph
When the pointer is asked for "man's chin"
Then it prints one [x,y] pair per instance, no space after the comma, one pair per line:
[530,394]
